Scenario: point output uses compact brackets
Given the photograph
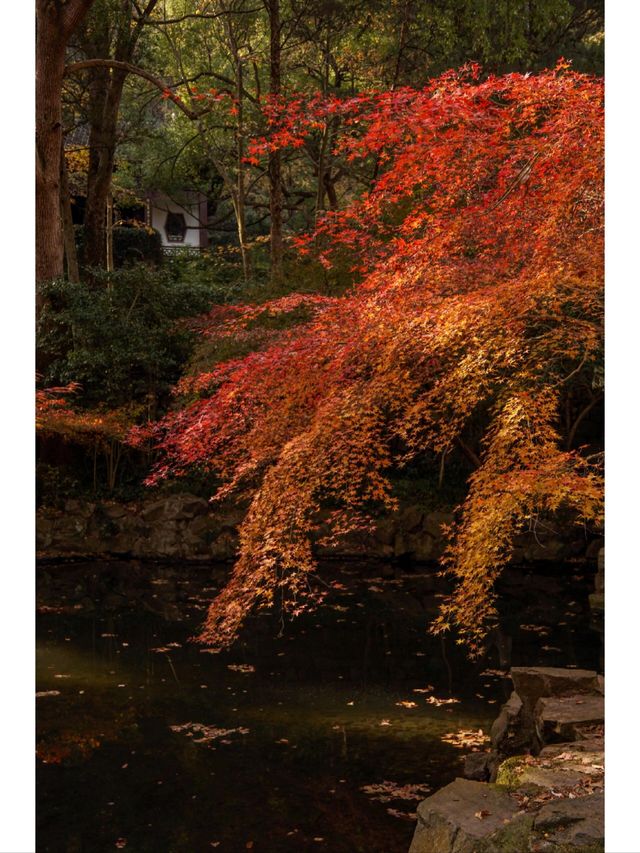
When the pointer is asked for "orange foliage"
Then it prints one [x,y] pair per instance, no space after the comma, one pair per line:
[479,247]
[56,415]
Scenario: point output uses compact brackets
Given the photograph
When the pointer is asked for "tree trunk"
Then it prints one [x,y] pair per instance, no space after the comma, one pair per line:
[55,22]
[106,93]
[275,163]
[50,54]
[240,205]
[70,252]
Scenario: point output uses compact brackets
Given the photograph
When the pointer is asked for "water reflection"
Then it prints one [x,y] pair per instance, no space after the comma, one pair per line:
[150,744]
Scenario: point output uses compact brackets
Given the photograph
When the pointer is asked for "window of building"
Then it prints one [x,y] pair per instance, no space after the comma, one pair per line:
[175,227]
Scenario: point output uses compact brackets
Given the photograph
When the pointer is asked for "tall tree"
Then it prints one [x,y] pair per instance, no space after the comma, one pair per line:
[111,31]
[56,22]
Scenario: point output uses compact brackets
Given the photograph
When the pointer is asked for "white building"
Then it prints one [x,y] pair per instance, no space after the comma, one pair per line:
[181,220]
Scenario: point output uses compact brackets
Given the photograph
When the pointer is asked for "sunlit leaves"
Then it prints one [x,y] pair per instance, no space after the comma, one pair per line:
[480,250]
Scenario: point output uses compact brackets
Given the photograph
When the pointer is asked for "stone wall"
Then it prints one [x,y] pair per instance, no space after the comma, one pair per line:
[182,526]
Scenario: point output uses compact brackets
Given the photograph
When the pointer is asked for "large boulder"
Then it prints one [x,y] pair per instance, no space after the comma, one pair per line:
[419,546]
[506,730]
[562,717]
[532,682]
[480,766]
[570,826]
[518,728]
[557,767]
[471,817]
[435,521]
[411,519]
[385,531]
[175,508]
[476,817]
[164,539]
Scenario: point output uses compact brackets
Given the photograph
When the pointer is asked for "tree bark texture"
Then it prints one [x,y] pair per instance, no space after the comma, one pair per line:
[55,22]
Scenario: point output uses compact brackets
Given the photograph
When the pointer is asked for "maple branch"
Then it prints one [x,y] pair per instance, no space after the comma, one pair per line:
[84,64]
[520,178]
[469,453]
[205,16]
[581,416]
[573,372]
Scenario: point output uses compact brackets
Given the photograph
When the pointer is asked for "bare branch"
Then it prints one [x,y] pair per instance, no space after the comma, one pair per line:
[74,67]
[204,16]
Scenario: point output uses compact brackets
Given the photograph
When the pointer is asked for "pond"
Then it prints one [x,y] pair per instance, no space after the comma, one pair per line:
[318,734]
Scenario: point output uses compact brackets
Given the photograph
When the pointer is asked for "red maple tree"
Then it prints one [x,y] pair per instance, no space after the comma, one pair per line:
[479,254]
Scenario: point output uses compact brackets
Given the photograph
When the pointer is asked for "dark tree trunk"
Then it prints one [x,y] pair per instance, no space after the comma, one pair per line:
[275,162]
[70,251]
[50,53]
[106,93]
[55,22]
[108,37]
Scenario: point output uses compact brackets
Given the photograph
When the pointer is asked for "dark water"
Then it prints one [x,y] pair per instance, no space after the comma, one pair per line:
[291,737]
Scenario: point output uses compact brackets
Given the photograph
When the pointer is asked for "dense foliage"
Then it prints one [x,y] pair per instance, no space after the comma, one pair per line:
[120,339]
[479,250]
[130,246]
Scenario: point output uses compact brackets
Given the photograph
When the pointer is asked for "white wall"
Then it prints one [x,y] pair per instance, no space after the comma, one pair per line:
[160,206]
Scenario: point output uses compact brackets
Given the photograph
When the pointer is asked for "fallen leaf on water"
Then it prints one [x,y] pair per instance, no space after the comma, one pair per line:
[402,815]
[207,734]
[465,738]
[433,700]
[386,791]
[407,704]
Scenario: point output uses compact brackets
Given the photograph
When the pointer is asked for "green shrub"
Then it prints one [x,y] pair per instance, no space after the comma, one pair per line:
[120,337]
[130,246]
